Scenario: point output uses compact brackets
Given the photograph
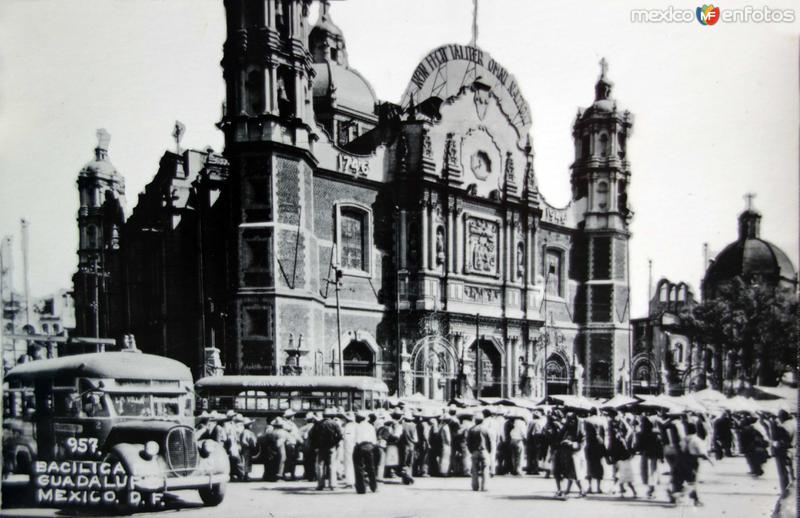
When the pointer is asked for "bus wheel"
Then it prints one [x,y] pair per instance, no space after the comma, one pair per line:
[213,495]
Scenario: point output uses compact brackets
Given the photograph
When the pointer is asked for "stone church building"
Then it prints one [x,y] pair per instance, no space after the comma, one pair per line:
[406,240]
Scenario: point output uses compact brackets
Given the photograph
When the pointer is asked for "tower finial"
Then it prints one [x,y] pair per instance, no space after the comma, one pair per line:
[177,134]
[748,197]
[603,67]
[103,138]
[474,41]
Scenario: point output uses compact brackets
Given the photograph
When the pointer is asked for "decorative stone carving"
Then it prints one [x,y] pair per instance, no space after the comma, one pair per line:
[482,246]
[451,152]
[427,147]
[520,261]
[440,246]
[511,184]
[402,153]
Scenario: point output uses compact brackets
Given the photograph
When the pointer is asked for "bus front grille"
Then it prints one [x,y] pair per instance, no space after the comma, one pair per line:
[181,451]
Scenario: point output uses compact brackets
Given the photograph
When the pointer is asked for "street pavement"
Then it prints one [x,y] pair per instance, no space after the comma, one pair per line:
[725,489]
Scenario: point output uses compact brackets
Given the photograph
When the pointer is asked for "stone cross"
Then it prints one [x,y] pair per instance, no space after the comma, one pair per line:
[177,134]
[749,200]
[603,67]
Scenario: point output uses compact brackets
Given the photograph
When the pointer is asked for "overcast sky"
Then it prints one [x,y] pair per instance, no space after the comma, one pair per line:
[716,107]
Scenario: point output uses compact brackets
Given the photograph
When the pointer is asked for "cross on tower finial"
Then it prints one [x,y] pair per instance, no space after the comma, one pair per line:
[603,67]
[474,40]
[177,134]
[749,200]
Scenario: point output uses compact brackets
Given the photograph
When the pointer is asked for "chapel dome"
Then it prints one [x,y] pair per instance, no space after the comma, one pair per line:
[343,86]
[100,166]
[750,256]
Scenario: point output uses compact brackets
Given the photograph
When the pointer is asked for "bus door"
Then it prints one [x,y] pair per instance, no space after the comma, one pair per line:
[43,420]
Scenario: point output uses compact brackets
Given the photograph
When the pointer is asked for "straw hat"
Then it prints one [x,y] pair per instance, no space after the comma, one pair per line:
[330,412]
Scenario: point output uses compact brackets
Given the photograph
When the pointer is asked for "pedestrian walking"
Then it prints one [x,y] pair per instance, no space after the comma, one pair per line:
[692,449]
[620,453]
[364,455]
[570,441]
[479,444]
[325,438]
[595,451]
[650,446]
[783,429]
[248,444]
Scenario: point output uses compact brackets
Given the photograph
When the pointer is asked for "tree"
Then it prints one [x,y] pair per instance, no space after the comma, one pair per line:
[752,330]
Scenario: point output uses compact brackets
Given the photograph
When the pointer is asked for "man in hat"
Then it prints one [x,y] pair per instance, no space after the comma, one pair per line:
[364,460]
[408,442]
[422,446]
[783,429]
[248,444]
[325,438]
[273,446]
[309,456]
[392,435]
[479,442]
[293,440]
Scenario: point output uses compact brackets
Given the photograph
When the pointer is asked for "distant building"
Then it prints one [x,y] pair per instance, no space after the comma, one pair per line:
[455,276]
[665,358]
[52,316]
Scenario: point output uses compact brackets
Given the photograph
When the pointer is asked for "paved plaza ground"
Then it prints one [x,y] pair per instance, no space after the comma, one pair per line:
[726,489]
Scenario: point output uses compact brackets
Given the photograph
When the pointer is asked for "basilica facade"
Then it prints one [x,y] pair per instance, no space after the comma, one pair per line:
[338,233]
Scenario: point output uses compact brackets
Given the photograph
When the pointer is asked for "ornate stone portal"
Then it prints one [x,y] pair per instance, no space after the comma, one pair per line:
[482,246]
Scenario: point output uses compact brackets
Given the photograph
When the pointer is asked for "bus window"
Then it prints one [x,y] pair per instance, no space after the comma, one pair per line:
[166,406]
[67,403]
[358,400]
[130,405]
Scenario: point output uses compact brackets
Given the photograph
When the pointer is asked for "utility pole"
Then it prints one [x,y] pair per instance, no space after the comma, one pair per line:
[26,270]
[338,277]
[397,301]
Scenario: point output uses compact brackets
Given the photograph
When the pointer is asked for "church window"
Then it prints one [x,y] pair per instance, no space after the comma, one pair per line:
[602,195]
[258,257]
[255,92]
[585,146]
[604,145]
[285,92]
[91,236]
[601,303]
[253,14]
[663,293]
[353,238]
[601,258]
[553,272]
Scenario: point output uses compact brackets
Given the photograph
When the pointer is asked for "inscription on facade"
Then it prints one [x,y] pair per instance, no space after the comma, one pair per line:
[351,165]
[481,294]
[556,216]
[482,246]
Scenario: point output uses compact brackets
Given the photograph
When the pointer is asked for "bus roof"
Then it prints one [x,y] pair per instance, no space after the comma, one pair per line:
[292,382]
[118,365]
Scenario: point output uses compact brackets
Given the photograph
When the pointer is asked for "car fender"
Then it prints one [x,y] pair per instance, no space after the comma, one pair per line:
[217,462]
[130,455]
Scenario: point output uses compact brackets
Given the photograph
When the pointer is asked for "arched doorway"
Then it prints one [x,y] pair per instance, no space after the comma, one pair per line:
[434,368]
[488,368]
[645,376]
[359,360]
[558,375]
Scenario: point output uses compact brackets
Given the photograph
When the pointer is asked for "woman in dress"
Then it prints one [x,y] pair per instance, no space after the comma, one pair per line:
[570,441]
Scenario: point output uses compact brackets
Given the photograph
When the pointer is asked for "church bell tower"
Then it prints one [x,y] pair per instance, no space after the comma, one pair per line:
[600,178]
[268,121]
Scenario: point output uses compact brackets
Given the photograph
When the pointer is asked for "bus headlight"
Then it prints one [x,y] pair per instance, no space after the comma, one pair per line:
[207,448]
[151,449]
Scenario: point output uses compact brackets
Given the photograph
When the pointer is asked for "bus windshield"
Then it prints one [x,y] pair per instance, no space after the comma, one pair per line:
[148,405]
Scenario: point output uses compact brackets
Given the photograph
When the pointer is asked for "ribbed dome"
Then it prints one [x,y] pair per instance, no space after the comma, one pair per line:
[347,87]
[750,256]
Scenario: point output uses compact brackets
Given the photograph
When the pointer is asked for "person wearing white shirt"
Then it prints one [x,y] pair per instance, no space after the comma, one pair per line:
[365,454]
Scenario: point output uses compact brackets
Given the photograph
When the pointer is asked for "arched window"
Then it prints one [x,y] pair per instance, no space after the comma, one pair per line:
[678,353]
[353,238]
[602,195]
[285,92]
[603,145]
[91,236]
[359,360]
[553,272]
[663,292]
[45,328]
[255,92]
[585,146]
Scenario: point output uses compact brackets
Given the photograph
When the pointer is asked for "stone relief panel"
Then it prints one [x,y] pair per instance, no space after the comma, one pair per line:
[482,246]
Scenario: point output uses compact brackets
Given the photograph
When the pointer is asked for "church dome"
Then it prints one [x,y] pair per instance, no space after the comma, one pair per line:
[750,256]
[344,86]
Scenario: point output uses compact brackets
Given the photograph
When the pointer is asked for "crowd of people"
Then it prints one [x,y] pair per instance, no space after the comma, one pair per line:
[580,448]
